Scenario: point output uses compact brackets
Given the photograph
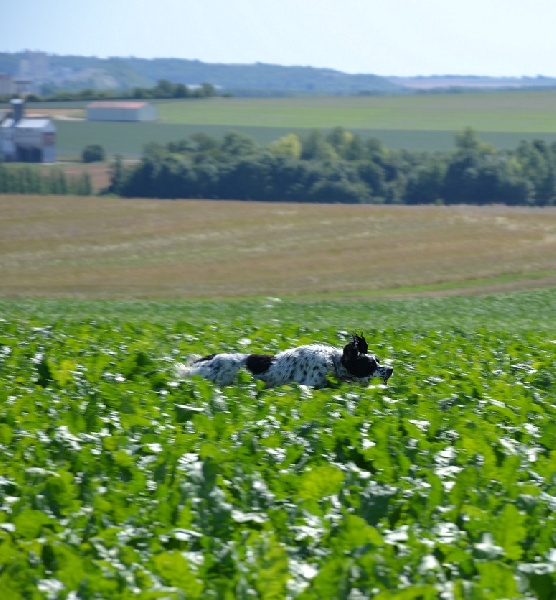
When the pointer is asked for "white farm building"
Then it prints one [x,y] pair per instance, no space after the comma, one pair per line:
[121,111]
[26,140]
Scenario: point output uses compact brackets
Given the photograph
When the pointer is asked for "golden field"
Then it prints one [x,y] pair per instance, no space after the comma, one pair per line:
[79,247]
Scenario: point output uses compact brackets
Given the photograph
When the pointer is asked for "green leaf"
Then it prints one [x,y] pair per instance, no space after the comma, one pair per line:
[496,581]
[6,434]
[332,579]
[509,531]
[174,570]
[548,436]
[356,532]
[321,482]
[29,523]
[270,573]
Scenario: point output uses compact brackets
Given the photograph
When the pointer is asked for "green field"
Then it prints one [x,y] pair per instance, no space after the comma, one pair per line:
[427,122]
[531,112]
[514,311]
[117,481]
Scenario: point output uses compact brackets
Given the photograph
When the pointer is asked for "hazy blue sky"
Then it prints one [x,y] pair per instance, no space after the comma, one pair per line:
[386,37]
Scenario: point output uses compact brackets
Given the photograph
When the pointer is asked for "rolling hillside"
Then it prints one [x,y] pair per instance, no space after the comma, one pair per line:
[78,72]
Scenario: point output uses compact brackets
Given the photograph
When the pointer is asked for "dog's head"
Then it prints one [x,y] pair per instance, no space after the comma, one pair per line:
[361,365]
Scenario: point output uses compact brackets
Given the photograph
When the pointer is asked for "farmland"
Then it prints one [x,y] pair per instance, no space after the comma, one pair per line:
[510,111]
[120,482]
[114,248]
[416,122]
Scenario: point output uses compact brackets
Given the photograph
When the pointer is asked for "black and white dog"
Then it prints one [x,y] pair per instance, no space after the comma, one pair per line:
[307,365]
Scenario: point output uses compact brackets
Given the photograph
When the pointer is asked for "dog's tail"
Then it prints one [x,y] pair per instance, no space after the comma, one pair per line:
[187,368]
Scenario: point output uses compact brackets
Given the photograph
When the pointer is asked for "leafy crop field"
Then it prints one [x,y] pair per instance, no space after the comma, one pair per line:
[117,481]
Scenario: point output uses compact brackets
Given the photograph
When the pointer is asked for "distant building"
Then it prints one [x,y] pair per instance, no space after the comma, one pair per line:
[23,86]
[7,86]
[33,65]
[26,140]
[121,111]
[32,73]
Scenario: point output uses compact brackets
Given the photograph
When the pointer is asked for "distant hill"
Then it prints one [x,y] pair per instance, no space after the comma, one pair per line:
[53,73]
[433,83]
[78,72]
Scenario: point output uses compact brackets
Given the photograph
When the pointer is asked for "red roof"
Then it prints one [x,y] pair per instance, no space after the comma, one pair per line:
[112,104]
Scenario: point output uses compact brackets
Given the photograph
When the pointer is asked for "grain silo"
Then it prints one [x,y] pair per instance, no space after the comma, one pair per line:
[27,139]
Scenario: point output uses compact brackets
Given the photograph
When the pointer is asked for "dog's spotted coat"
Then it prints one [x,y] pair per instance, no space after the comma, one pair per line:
[308,365]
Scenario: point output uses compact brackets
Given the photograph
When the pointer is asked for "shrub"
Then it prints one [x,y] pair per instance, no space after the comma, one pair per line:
[92,153]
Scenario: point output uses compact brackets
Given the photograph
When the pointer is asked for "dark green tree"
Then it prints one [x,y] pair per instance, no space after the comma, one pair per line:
[316,147]
[236,145]
[93,153]
[116,175]
[425,183]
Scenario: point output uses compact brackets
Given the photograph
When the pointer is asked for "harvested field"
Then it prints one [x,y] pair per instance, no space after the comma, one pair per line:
[113,248]
[56,113]
[98,171]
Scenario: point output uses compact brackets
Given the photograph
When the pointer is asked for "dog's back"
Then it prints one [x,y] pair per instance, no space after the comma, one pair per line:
[308,365]
[221,369]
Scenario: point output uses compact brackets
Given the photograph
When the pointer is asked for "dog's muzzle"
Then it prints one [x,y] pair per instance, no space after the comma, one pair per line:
[388,371]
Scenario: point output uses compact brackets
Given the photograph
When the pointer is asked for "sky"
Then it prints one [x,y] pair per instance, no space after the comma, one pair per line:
[384,37]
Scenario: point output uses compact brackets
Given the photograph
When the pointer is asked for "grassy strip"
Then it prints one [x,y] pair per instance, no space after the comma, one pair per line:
[447,286]
[513,311]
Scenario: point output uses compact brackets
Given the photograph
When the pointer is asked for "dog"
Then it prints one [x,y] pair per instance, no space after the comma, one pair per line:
[307,365]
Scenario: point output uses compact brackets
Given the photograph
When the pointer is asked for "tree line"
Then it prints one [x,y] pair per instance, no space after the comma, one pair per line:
[340,167]
[30,180]
[163,90]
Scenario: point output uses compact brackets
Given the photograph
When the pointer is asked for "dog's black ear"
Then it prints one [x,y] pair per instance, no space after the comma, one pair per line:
[350,354]
[358,363]
[360,343]
[350,351]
